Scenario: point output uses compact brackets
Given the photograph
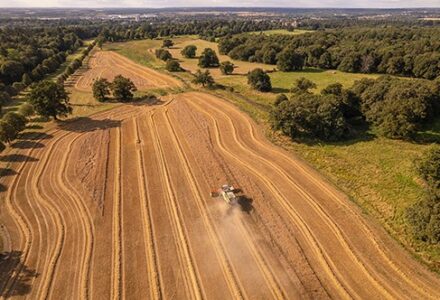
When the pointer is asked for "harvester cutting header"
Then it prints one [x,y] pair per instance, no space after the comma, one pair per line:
[228,193]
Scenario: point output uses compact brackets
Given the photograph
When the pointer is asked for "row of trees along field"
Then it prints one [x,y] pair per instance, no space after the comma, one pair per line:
[404,51]
[425,215]
[28,54]
[46,98]
[206,29]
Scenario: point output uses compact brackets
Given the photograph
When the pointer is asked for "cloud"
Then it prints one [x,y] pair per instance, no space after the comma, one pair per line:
[232,3]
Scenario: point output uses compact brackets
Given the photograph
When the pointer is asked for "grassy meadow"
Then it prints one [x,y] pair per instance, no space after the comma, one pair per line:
[377,173]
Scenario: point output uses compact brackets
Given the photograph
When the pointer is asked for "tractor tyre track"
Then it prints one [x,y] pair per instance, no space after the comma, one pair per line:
[149,241]
[323,215]
[228,270]
[329,268]
[427,291]
[191,277]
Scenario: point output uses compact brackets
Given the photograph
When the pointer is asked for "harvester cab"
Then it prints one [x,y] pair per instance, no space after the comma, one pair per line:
[227,193]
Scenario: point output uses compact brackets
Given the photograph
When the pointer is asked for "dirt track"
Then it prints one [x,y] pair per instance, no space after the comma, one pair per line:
[133,218]
[108,64]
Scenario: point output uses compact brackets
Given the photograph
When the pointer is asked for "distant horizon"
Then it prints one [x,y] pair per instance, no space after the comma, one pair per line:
[200,7]
[188,4]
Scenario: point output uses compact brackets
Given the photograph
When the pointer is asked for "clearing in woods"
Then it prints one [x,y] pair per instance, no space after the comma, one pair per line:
[118,205]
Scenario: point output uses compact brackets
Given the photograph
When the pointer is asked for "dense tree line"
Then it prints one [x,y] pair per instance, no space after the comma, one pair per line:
[31,49]
[206,29]
[424,215]
[324,116]
[394,108]
[76,63]
[352,21]
[403,51]
[398,108]
[27,54]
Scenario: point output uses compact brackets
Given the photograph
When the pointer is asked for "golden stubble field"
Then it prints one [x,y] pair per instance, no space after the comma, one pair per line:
[117,205]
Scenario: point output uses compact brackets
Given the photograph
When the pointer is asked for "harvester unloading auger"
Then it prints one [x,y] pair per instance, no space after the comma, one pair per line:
[228,193]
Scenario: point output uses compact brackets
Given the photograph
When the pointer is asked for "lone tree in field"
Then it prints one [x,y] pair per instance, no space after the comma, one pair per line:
[49,99]
[123,88]
[227,67]
[208,59]
[101,89]
[173,65]
[189,51]
[259,80]
[163,54]
[167,43]
[203,78]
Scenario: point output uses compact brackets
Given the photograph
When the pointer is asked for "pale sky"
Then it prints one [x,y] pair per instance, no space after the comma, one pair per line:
[206,3]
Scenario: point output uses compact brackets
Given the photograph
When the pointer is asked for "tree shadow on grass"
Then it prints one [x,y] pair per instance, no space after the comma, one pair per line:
[25,144]
[355,138]
[279,90]
[9,263]
[427,138]
[86,124]
[314,70]
[17,158]
[429,134]
[84,105]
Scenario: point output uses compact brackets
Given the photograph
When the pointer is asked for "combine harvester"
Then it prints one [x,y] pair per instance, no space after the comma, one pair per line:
[228,193]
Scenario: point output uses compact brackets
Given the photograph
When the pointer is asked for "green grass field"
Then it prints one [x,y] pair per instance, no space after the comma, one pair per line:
[377,173]
[141,52]
[282,82]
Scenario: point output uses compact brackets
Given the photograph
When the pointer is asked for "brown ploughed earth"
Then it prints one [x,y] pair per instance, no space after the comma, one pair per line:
[118,205]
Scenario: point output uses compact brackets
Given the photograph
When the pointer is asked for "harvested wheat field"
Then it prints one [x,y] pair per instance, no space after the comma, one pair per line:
[108,64]
[118,205]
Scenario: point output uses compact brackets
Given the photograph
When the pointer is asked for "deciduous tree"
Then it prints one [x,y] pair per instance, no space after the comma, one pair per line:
[189,51]
[173,65]
[167,43]
[49,99]
[208,59]
[101,89]
[227,67]
[203,78]
[123,88]
[259,80]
